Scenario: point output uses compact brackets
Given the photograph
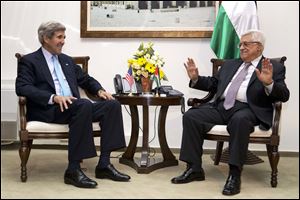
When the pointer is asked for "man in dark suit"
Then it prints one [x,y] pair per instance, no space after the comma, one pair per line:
[50,80]
[245,90]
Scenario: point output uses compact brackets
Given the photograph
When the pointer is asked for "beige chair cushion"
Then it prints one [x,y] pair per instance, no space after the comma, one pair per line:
[221,130]
[37,126]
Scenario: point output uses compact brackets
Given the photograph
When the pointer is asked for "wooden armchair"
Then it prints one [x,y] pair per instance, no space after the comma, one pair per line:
[270,138]
[30,130]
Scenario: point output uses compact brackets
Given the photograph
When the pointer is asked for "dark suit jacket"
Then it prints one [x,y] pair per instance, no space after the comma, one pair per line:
[35,82]
[259,102]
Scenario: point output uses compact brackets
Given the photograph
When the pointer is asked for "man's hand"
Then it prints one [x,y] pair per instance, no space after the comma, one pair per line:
[266,73]
[105,95]
[191,69]
[63,101]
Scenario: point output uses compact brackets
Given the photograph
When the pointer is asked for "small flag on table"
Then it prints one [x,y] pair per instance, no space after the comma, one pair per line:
[129,77]
[156,77]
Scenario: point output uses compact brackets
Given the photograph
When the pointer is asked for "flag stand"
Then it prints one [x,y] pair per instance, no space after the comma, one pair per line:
[156,92]
[130,94]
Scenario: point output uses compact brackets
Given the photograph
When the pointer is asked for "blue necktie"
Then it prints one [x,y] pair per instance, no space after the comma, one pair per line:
[65,90]
[234,87]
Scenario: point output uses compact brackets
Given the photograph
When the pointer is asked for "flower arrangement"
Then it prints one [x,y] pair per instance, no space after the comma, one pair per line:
[146,62]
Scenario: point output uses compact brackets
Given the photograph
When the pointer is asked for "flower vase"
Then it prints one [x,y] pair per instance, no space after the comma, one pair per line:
[146,84]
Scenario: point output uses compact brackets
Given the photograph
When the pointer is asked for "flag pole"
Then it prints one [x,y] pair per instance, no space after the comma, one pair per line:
[130,94]
[158,83]
[129,78]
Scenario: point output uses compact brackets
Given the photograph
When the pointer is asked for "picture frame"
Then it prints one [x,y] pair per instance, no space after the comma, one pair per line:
[132,19]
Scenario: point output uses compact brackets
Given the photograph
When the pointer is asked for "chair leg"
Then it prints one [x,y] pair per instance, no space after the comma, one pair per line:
[274,156]
[218,152]
[24,152]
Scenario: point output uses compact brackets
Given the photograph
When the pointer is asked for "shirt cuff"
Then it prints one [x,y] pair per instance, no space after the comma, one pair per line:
[51,99]
[193,83]
[269,88]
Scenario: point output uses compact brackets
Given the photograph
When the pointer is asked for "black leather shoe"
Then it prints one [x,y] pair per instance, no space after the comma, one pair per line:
[188,176]
[79,179]
[110,172]
[232,186]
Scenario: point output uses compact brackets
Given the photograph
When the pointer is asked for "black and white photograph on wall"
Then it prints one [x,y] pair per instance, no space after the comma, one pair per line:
[179,17]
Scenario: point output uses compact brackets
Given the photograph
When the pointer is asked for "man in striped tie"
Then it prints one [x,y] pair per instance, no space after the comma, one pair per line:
[245,90]
[50,80]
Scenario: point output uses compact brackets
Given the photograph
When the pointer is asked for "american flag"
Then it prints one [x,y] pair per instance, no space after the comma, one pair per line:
[129,76]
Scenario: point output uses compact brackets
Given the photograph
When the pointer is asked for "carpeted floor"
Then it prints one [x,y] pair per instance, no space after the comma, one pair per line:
[46,169]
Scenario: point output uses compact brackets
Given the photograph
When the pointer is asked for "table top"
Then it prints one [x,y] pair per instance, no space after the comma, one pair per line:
[149,100]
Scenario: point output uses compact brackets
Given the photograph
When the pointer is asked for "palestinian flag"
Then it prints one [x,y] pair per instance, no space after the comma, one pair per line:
[234,18]
[156,77]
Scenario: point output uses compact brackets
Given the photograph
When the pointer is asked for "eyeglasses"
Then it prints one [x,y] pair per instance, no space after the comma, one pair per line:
[246,44]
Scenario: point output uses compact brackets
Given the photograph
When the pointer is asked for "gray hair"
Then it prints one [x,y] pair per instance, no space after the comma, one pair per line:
[48,29]
[256,35]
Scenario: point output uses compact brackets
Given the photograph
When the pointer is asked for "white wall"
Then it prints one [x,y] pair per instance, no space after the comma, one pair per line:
[279,21]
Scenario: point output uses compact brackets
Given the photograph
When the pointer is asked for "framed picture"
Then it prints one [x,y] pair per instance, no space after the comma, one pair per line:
[150,19]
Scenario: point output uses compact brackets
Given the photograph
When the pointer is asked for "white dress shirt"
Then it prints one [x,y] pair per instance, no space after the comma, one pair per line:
[48,57]
[242,92]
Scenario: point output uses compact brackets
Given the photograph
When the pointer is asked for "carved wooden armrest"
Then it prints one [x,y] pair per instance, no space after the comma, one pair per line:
[275,126]
[92,97]
[22,110]
[194,102]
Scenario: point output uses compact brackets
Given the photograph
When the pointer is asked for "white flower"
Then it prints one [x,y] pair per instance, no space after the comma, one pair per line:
[145,61]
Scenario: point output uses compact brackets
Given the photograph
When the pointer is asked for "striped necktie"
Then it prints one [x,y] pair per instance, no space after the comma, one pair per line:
[65,89]
[234,87]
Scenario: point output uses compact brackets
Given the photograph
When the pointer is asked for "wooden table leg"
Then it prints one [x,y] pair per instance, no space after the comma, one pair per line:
[130,150]
[165,150]
[145,145]
[144,164]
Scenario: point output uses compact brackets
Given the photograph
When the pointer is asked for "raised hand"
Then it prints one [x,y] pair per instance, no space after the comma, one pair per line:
[266,73]
[191,69]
